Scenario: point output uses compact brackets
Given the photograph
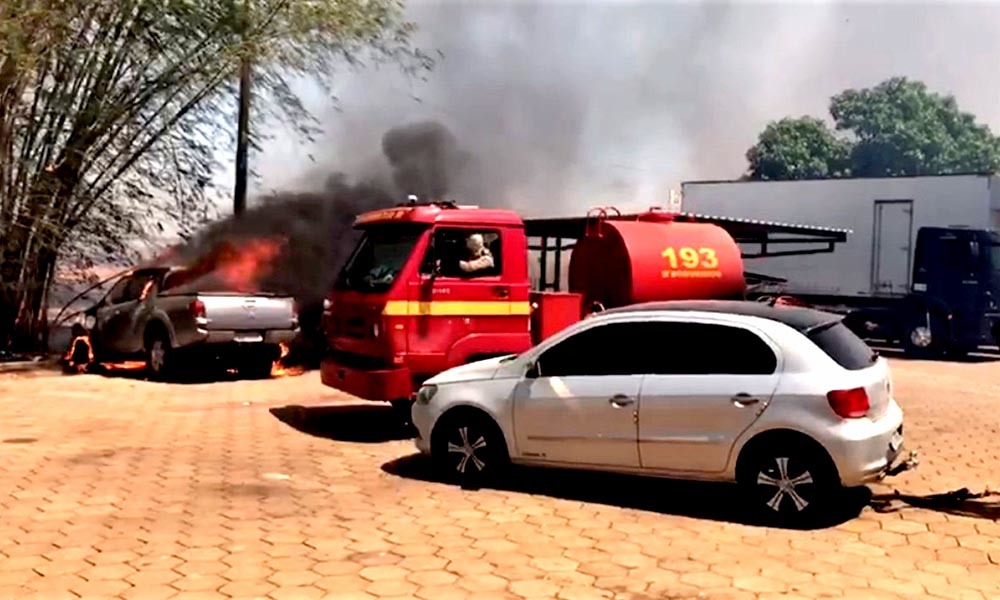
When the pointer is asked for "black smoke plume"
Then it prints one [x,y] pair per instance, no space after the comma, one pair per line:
[425,159]
[316,228]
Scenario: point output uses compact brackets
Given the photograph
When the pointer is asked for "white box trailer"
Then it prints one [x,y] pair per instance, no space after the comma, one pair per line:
[884,216]
[921,264]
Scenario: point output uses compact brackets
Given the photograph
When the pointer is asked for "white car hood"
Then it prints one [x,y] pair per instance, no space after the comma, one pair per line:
[477,371]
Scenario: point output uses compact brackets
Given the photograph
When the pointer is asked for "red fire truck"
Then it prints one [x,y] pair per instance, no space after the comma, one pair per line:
[406,306]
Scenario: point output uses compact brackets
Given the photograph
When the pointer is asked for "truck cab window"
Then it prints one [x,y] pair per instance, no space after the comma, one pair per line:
[464,253]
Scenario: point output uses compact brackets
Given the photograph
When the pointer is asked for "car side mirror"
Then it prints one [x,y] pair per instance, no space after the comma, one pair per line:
[533,371]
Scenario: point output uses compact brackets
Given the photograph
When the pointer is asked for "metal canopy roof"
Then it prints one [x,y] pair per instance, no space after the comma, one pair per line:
[742,230]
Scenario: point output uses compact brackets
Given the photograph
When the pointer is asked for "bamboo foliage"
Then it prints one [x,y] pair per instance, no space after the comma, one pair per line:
[112,113]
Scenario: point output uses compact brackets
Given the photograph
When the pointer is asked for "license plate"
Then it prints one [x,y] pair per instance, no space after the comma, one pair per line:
[896,442]
[249,338]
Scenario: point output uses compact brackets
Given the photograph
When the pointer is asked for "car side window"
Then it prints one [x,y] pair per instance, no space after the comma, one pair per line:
[138,286]
[611,349]
[464,253]
[708,349]
[117,295]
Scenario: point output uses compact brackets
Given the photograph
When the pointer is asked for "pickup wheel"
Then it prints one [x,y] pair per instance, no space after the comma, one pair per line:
[159,356]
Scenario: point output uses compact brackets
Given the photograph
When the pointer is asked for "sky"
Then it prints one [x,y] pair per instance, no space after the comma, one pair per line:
[566,105]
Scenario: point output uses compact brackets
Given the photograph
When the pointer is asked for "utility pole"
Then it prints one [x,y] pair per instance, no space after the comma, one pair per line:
[242,127]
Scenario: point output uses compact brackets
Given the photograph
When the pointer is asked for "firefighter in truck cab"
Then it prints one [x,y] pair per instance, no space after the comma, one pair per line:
[479,255]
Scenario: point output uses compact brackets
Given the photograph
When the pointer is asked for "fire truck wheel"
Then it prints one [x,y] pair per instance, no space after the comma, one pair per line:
[159,357]
[467,447]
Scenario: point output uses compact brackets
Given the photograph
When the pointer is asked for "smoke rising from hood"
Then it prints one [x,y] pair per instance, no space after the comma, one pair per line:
[564,105]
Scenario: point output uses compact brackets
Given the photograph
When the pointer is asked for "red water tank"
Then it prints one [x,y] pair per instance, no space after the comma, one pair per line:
[626,262]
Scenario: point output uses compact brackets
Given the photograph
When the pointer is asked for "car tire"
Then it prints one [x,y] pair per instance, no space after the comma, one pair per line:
[159,357]
[788,482]
[468,448]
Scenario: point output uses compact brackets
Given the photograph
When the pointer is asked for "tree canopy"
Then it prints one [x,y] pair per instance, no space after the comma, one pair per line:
[112,114]
[897,128]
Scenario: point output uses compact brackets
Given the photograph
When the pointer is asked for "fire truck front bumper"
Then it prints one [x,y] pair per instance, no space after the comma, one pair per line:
[379,385]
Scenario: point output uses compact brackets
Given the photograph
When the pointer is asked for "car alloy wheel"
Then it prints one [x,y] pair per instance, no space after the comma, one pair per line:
[468,443]
[789,484]
[468,448]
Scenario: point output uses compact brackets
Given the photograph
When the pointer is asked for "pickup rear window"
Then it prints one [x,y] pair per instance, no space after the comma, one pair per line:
[843,346]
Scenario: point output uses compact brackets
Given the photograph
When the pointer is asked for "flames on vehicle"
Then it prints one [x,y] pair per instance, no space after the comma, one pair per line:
[232,265]
[280,369]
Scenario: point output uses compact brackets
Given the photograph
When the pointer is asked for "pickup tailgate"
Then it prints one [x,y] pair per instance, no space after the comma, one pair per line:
[253,313]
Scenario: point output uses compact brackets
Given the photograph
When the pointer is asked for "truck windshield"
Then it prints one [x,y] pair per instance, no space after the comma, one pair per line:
[378,258]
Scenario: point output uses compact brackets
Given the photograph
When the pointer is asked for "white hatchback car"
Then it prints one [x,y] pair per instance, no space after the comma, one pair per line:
[786,401]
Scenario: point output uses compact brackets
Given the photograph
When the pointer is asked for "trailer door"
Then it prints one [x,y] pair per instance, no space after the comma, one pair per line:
[891,247]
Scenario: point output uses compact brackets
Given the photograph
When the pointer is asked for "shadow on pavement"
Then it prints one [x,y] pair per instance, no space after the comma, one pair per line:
[136,370]
[346,423]
[713,501]
[980,356]
[961,502]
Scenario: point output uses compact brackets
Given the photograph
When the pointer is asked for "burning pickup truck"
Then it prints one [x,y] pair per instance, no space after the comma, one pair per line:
[167,315]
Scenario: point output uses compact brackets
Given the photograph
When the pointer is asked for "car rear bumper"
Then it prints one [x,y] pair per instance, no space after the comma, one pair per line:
[867,451]
[368,384]
[273,336]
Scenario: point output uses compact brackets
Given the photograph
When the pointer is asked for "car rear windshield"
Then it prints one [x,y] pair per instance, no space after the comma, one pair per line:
[840,344]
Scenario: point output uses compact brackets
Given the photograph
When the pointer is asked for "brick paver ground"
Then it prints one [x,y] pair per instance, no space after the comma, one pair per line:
[113,487]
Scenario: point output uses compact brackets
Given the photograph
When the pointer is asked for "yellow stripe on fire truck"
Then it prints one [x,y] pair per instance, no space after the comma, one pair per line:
[452,308]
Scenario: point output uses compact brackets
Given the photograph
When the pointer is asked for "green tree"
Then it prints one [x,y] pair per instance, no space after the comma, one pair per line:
[112,111]
[901,128]
[802,148]
[896,128]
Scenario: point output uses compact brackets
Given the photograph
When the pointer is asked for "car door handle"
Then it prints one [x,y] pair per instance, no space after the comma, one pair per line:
[742,400]
[620,401]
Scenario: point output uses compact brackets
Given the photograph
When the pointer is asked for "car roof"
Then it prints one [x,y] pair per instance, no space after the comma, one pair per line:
[797,317]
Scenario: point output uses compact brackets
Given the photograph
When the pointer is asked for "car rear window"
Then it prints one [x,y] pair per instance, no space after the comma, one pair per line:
[840,344]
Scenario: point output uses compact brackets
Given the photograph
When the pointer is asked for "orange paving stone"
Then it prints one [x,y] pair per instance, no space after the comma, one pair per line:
[134,490]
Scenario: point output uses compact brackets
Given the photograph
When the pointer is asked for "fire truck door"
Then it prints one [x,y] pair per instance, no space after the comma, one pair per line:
[450,302]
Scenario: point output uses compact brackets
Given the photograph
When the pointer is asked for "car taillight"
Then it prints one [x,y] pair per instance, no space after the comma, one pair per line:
[849,404]
[197,308]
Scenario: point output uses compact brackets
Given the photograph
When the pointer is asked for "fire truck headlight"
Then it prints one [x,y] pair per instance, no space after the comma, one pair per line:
[426,394]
